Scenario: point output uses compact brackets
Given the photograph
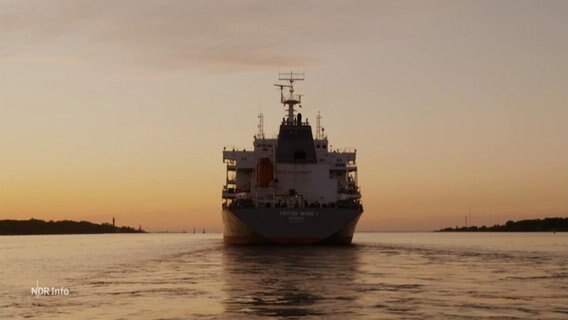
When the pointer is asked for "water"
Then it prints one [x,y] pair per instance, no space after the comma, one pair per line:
[195,276]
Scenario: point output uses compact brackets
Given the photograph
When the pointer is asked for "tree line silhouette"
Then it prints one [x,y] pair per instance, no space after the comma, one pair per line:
[35,226]
[530,225]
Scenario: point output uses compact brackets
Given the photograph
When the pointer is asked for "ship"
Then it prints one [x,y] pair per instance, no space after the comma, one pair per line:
[292,188]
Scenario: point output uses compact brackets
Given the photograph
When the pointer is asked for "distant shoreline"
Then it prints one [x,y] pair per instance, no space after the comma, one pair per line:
[41,227]
[530,225]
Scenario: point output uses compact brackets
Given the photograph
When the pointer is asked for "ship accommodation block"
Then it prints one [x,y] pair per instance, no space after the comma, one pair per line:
[293,170]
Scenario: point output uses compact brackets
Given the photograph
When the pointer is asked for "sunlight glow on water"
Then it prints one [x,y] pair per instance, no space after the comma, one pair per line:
[385,275]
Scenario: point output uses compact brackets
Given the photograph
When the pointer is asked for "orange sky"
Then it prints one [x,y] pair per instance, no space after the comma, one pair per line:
[122,109]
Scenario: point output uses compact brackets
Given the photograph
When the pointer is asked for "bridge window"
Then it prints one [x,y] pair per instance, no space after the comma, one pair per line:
[300,155]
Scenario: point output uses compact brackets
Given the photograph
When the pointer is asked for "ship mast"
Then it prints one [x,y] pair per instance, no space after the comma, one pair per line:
[291,99]
[318,127]
[260,134]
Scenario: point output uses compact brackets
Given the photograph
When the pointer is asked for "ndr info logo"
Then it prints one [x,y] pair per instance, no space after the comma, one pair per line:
[49,291]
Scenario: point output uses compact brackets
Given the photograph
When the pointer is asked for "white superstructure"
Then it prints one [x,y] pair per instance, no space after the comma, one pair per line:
[294,170]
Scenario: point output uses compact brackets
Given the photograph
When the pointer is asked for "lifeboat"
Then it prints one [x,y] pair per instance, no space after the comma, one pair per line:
[264,172]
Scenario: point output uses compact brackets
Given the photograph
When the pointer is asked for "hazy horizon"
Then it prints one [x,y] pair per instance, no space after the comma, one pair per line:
[122,109]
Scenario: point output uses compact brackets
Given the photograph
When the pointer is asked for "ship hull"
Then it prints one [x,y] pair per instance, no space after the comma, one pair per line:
[290,225]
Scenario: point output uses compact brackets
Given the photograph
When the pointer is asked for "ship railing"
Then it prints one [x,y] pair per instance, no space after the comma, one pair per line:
[235,190]
[292,97]
[349,190]
[273,136]
[349,203]
[349,165]
[229,190]
[242,203]
[232,151]
[233,148]
[250,203]
[235,154]
[344,150]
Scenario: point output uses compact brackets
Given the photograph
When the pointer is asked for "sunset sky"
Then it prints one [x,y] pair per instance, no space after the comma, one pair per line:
[122,108]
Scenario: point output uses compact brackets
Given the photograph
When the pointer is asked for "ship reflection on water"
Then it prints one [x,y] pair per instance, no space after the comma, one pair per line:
[289,281]
[383,275]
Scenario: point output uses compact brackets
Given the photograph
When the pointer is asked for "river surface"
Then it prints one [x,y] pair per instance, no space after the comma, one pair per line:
[195,276]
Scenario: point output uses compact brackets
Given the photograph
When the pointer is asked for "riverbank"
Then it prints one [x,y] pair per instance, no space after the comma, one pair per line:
[37,227]
[530,225]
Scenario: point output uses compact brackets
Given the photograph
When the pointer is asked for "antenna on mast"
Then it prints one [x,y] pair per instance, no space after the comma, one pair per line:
[260,126]
[291,99]
[318,126]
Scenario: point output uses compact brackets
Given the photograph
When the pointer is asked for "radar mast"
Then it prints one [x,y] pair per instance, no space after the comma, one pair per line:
[290,99]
